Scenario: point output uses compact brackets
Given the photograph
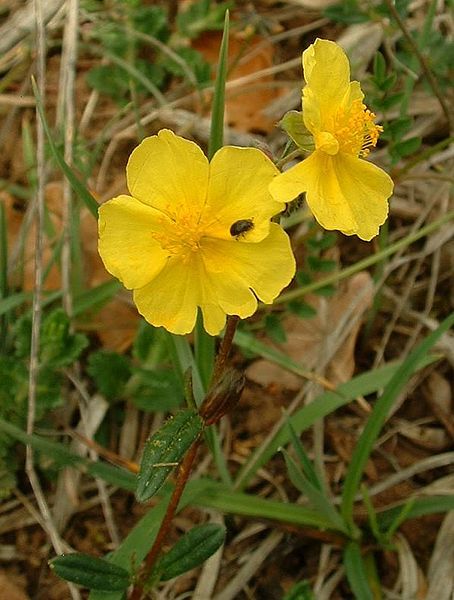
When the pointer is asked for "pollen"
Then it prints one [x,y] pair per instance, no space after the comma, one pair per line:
[179,235]
[355,129]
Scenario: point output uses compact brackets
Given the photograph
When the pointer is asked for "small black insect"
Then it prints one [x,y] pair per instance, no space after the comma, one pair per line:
[241,227]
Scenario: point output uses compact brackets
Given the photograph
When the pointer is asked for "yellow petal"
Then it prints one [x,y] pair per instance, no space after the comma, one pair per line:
[126,245]
[213,318]
[342,191]
[224,279]
[171,299]
[238,190]
[166,171]
[327,73]
[235,268]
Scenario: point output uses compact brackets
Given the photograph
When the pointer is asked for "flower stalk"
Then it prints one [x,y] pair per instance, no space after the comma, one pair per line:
[223,395]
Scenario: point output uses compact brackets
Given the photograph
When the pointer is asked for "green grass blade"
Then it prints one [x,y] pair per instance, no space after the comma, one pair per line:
[323,405]
[204,351]
[379,415]
[418,507]
[356,572]
[3,272]
[365,263]
[218,496]
[95,297]
[248,342]
[78,187]
[183,359]
[13,301]
[204,343]
[217,110]
[315,496]
[305,462]
[62,456]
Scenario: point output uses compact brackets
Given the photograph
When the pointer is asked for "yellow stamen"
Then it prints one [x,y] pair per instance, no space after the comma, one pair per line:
[354,129]
[180,236]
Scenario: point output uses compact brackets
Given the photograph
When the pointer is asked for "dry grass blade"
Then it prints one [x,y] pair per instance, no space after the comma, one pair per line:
[441,569]
[411,586]
[37,299]
[23,21]
[254,562]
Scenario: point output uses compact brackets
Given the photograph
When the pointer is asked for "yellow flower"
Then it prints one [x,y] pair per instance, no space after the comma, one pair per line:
[196,234]
[343,191]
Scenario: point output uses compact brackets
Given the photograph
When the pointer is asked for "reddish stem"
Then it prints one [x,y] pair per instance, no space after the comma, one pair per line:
[184,469]
[224,348]
[182,478]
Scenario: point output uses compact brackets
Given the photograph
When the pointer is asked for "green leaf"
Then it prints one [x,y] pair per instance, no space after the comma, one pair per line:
[91,572]
[303,278]
[195,63]
[389,82]
[293,125]
[325,291]
[321,265]
[379,415]
[347,12]
[160,389]
[151,20]
[399,127]
[406,147]
[164,450]
[379,68]
[356,572]
[59,346]
[109,80]
[325,241]
[413,508]
[191,550]
[274,329]
[302,309]
[300,591]
[391,101]
[110,372]
[202,15]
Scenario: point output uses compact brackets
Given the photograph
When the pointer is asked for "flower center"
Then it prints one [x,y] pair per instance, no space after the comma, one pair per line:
[353,131]
[180,236]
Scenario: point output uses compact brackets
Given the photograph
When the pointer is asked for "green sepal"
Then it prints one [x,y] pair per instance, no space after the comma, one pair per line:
[91,572]
[293,125]
[164,450]
[191,550]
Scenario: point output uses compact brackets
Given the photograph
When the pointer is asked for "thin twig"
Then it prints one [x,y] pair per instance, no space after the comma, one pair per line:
[66,119]
[37,298]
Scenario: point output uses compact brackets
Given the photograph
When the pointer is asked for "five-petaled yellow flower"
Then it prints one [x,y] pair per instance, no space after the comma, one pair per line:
[196,234]
[343,191]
